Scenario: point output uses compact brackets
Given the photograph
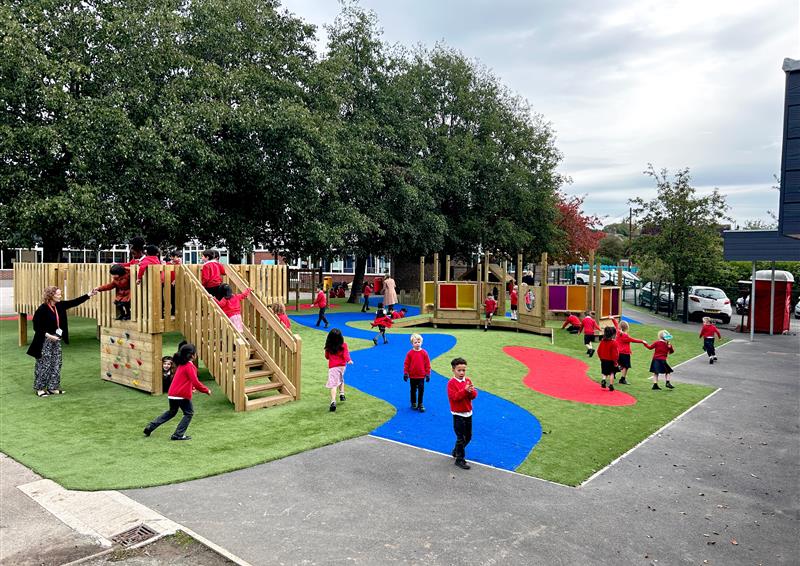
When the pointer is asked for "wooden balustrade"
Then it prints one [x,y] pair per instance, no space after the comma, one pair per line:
[269,281]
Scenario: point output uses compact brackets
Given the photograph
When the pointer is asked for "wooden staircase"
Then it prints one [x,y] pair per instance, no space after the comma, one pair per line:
[259,388]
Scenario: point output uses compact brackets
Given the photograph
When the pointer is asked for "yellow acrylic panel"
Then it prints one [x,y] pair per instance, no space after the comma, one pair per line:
[466,296]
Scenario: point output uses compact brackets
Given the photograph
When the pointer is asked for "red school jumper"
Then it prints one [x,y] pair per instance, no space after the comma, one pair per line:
[145,261]
[624,340]
[321,301]
[285,320]
[572,320]
[514,299]
[589,326]
[709,331]
[661,349]
[211,274]
[490,306]
[417,364]
[460,399]
[608,351]
[185,382]
[233,305]
[338,359]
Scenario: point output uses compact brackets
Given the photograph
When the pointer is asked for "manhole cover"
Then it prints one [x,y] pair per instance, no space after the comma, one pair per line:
[133,536]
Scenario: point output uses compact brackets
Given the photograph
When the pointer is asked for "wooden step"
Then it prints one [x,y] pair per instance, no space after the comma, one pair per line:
[259,373]
[250,389]
[270,401]
[254,362]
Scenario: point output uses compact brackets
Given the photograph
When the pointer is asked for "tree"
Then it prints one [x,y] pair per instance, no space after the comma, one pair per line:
[680,228]
[612,247]
[579,236]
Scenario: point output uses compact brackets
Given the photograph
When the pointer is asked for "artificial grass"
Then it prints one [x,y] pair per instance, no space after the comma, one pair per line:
[578,439]
[91,438]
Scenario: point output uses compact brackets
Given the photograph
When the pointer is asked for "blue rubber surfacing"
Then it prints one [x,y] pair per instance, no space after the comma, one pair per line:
[503,434]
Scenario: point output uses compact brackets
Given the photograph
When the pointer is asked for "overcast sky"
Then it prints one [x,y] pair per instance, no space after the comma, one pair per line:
[677,83]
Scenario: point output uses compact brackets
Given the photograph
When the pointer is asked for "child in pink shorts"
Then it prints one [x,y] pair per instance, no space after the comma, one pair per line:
[338,357]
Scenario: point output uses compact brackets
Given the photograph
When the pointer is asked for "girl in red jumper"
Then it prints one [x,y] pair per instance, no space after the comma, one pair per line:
[661,349]
[624,341]
[231,305]
[608,352]
[382,321]
[280,312]
[338,356]
[707,332]
[211,274]
[589,327]
[366,291]
[417,368]
[180,393]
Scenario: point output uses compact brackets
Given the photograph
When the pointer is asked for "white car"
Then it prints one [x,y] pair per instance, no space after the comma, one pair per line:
[711,302]
[582,278]
[797,310]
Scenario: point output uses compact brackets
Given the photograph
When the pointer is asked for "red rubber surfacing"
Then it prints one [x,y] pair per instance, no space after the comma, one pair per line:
[565,378]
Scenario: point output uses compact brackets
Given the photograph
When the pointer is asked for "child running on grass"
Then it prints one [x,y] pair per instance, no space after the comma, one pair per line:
[280,312]
[180,393]
[460,393]
[589,326]
[608,352]
[338,356]
[417,368]
[624,341]
[382,321]
[659,366]
[572,324]
[707,332]
[489,307]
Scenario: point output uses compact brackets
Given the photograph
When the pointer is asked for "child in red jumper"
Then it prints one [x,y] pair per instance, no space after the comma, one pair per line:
[338,356]
[608,352]
[366,291]
[572,324]
[121,282]
[280,312]
[662,348]
[489,307]
[514,303]
[417,368]
[707,332]
[180,393]
[624,341]
[211,274]
[321,302]
[151,258]
[460,393]
[382,321]
[589,327]
[231,305]
[399,314]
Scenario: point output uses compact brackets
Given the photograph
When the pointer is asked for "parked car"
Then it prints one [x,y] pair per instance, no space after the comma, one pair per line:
[647,292]
[709,301]
[628,279]
[582,278]
[797,310]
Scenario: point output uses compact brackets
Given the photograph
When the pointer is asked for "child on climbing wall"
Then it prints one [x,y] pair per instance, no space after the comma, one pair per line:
[382,321]
[624,341]
[231,305]
[589,326]
[460,393]
[572,324]
[280,312]
[338,356]
[180,393]
[514,303]
[608,352]
[707,332]
[121,283]
[659,366]
[417,369]
[489,308]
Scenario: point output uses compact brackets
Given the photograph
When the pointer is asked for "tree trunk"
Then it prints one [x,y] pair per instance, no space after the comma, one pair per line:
[358,278]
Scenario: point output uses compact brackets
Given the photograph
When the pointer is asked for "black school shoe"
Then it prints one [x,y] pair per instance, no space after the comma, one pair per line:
[333,407]
[147,431]
[342,397]
[670,386]
[656,387]
[421,409]
[603,384]
[611,387]
[623,381]
[463,464]
[591,353]
[414,406]
[184,437]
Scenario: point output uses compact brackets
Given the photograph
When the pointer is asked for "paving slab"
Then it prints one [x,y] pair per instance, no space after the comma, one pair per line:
[720,485]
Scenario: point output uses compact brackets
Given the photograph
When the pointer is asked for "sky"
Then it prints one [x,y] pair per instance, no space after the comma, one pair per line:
[674,83]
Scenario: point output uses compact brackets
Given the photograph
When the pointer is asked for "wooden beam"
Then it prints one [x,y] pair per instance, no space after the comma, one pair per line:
[23,329]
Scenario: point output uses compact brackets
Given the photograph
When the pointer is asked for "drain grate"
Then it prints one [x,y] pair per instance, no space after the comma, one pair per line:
[133,536]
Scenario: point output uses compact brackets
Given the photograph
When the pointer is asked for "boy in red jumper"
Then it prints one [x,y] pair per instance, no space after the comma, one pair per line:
[514,303]
[417,368]
[366,291]
[121,281]
[489,307]
[460,393]
[662,348]
[608,352]
[180,393]
[624,341]
[589,327]
[150,258]
[572,324]
[231,305]
[211,274]
[707,332]
[399,314]
[321,302]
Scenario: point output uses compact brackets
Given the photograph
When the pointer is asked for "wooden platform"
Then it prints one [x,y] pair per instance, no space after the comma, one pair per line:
[504,323]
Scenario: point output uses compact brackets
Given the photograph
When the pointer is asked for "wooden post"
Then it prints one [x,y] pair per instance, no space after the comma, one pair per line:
[621,283]
[422,284]
[23,328]
[518,274]
[590,282]
[598,290]
[435,285]
[503,292]
[544,300]
[447,268]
